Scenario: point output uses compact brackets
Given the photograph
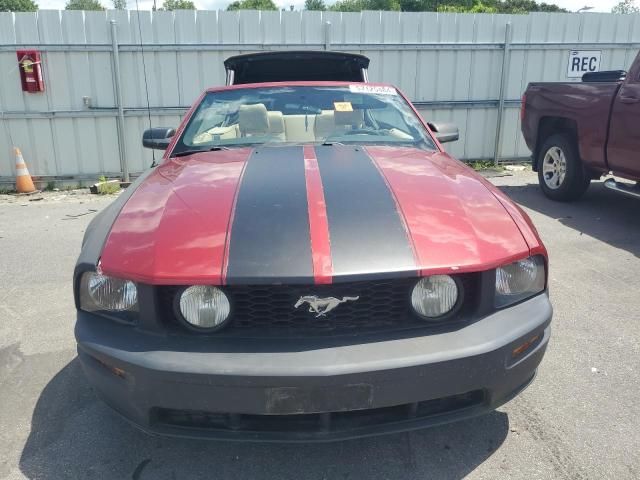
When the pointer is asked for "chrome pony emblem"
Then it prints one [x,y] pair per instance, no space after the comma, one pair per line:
[322,306]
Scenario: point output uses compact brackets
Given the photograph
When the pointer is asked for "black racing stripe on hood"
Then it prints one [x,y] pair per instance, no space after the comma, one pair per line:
[368,236]
[270,240]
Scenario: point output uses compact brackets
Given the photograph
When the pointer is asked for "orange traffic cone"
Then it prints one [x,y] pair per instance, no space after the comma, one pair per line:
[24,183]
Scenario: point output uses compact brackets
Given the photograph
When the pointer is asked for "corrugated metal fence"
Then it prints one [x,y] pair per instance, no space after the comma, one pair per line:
[451,65]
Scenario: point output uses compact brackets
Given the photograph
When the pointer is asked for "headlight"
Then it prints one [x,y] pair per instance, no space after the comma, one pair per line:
[435,296]
[519,280]
[204,307]
[108,295]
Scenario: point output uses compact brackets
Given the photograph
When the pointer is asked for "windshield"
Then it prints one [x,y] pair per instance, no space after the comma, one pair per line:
[353,114]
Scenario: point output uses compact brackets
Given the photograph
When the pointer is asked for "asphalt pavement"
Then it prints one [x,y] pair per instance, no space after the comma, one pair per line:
[580,418]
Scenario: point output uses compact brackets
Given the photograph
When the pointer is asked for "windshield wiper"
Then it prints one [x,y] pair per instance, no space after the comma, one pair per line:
[192,151]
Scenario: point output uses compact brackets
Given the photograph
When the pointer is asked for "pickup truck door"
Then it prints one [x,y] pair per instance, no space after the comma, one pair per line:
[623,148]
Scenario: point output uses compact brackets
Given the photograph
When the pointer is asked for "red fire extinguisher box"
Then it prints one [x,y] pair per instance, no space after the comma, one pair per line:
[30,71]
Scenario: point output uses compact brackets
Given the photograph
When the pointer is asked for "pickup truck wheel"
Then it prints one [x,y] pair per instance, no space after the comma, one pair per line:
[560,172]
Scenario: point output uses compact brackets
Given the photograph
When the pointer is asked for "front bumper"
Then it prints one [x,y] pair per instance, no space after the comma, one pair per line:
[311,389]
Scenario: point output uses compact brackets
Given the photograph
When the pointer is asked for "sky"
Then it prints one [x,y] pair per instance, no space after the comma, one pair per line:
[572,5]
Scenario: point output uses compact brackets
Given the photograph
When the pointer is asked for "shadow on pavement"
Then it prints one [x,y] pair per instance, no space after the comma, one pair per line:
[74,435]
[602,214]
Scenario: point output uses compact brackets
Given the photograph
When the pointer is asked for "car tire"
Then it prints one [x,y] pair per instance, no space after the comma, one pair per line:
[561,174]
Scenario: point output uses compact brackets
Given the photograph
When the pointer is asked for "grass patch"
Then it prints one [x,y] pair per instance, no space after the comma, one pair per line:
[485,165]
[6,191]
[107,188]
[78,186]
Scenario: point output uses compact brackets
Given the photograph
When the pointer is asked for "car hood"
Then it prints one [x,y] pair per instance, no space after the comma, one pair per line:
[293,214]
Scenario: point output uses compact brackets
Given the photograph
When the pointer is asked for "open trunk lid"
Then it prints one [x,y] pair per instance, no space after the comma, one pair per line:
[293,66]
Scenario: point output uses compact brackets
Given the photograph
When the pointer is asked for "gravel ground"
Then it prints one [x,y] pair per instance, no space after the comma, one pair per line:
[81,195]
[580,418]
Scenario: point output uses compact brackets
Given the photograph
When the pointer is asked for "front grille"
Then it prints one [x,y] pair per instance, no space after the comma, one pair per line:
[316,423]
[269,309]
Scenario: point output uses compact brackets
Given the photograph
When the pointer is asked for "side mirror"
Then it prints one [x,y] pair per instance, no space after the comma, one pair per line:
[445,132]
[158,138]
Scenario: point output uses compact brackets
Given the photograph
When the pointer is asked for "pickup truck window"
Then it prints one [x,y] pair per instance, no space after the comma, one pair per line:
[354,114]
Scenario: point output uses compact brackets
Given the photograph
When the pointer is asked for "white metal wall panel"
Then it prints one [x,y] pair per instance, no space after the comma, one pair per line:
[312,29]
[59,135]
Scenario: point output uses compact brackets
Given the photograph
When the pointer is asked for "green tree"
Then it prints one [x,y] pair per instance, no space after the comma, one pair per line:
[359,5]
[347,6]
[120,4]
[411,5]
[252,5]
[83,5]
[626,6]
[477,7]
[382,5]
[178,5]
[524,6]
[315,5]
[18,6]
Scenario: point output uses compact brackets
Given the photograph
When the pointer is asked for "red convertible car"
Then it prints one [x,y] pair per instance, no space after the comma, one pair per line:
[307,263]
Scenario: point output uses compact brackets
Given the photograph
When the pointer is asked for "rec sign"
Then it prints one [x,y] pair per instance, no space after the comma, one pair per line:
[583,61]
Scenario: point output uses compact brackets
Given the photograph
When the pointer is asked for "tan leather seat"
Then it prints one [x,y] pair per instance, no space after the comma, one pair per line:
[276,125]
[353,119]
[253,120]
[300,128]
[325,124]
[331,122]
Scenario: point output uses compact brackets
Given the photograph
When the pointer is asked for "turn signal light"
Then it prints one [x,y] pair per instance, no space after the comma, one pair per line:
[118,372]
[519,350]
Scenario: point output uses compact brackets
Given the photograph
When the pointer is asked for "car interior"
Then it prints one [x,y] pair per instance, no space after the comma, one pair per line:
[256,120]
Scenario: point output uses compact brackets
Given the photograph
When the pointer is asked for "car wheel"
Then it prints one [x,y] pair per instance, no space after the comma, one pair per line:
[560,172]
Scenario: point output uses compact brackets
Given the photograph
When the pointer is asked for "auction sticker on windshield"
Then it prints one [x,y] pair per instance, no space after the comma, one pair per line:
[375,89]
[342,106]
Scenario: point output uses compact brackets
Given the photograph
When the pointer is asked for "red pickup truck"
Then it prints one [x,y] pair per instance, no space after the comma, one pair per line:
[581,131]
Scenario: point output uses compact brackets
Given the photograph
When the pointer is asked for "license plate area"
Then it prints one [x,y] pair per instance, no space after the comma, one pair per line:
[297,400]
